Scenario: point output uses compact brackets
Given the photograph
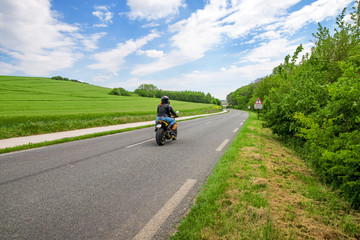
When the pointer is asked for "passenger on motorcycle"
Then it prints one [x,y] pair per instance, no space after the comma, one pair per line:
[164,112]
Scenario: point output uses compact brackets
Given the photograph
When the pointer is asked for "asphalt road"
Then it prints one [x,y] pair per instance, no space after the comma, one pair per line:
[121,186]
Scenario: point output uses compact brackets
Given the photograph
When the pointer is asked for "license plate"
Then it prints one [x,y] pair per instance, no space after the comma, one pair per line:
[158,126]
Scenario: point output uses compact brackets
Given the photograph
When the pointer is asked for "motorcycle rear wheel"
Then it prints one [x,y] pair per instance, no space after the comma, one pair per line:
[175,135]
[160,137]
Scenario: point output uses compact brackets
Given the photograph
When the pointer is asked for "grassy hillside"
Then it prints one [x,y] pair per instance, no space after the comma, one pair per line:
[28,96]
[31,105]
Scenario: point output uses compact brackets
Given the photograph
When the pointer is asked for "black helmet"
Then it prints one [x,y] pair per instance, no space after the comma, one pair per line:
[165,99]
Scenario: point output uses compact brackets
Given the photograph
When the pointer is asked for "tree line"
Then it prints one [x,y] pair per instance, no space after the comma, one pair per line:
[149,90]
[67,79]
[314,103]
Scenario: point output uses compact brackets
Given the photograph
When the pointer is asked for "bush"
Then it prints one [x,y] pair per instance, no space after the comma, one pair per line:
[142,93]
[317,103]
[67,79]
[119,92]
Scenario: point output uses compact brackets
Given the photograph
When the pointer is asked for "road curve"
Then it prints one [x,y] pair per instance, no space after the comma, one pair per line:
[120,186]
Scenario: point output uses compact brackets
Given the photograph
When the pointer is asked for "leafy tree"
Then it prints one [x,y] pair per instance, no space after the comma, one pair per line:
[208,98]
[241,97]
[142,93]
[315,104]
[231,100]
[119,92]
[149,90]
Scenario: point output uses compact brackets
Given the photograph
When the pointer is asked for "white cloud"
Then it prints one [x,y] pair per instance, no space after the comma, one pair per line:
[100,25]
[251,15]
[208,28]
[101,78]
[153,9]
[90,41]
[172,59]
[28,25]
[220,83]
[111,60]
[150,25]
[104,15]
[228,79]
[43,63]
[316,12]
[129,84]
[151,53]
[268,51]
[193,38]
[6,69]
[36,41]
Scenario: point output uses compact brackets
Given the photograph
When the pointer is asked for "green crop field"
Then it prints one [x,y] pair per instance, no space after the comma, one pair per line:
[33,105]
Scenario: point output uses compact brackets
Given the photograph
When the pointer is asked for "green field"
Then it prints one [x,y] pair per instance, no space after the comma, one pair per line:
[33,105]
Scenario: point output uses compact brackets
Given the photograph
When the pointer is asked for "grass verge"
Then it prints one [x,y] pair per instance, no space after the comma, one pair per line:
[31,125]
[63,140]
[262,190]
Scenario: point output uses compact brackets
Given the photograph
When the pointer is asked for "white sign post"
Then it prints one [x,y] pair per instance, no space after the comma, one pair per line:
[258,105]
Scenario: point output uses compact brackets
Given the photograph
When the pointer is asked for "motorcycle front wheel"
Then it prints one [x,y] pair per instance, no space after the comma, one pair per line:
[160,137]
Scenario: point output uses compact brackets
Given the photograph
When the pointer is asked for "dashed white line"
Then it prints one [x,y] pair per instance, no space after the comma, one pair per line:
[235,130]
[136,144]
[222,145]
[149,230]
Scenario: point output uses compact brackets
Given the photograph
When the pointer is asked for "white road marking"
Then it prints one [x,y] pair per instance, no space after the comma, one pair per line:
[136,144]
[241,124]
[235,130]
[220,148]
[149,230]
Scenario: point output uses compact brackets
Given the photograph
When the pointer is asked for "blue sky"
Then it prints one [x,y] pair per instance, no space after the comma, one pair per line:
[213,46]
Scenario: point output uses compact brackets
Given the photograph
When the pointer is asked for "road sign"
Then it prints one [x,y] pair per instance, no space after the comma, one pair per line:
[258,104]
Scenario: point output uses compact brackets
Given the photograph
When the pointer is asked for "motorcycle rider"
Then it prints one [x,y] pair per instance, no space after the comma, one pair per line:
[164,112]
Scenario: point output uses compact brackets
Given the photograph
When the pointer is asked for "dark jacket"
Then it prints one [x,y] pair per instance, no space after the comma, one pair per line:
[165,110]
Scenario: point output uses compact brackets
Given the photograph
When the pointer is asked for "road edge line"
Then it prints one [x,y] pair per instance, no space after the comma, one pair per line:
[222,145]
[151,228]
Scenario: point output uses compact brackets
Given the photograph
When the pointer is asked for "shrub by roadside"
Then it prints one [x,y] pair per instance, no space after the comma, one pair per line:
[314,102]
[262,190]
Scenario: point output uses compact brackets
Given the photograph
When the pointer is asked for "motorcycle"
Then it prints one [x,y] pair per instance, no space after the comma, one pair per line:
[163,132]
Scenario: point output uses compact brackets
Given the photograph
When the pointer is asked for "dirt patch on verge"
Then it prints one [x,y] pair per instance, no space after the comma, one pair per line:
[252,153]
[294,211]
[296,205]
[260,181]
